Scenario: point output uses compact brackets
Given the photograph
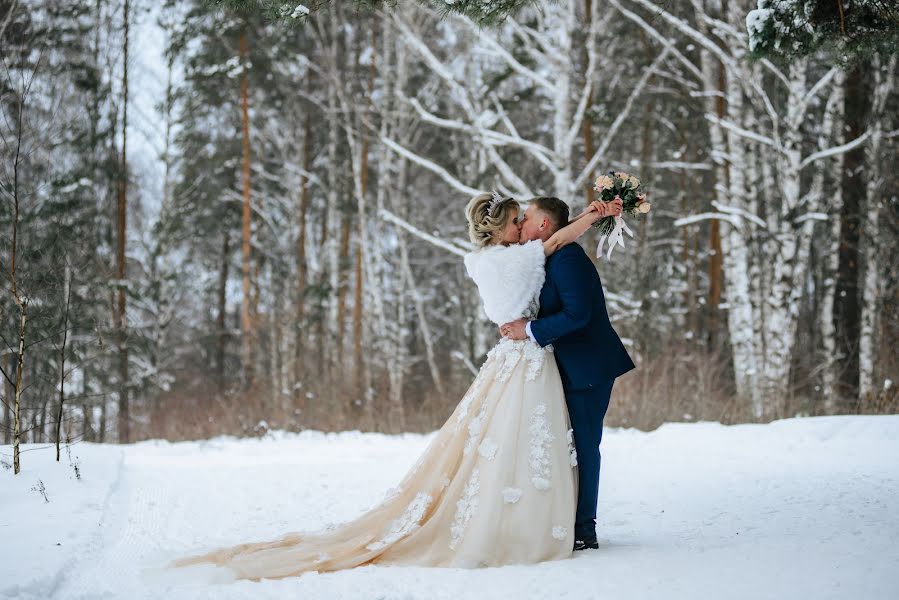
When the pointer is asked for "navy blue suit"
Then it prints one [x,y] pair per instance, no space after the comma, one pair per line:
[590,355]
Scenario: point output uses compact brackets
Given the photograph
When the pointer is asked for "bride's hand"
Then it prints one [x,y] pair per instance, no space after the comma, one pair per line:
[615,207]
[591,211]
[598,210]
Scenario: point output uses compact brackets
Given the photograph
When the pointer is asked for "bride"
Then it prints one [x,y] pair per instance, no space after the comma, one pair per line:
[497,484]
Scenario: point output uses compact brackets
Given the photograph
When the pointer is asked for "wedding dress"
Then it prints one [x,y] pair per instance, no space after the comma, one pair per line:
[496,485]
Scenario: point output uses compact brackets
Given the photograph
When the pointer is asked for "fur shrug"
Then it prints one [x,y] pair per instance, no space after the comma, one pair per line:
[509,278]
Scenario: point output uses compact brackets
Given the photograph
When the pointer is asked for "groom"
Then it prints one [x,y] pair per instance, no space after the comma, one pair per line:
[590,355]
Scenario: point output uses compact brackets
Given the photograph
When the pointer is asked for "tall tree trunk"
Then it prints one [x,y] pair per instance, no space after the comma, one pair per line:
[376,265]
[221,317]
[832,135]
[7,400]
[884,78]
[20,370]
[359,387]
[789,253]
[561,100]
[246,229]
[22,303]
[332,251]
[714,83]
[121,323]
[735,244]
[397,364]
[302,267]
[87,425]
[346,227]
[424,328]
[847,311]
[62,354]
[587,125]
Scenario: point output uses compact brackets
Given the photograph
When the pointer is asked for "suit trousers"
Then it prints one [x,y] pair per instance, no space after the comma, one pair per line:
[587,409]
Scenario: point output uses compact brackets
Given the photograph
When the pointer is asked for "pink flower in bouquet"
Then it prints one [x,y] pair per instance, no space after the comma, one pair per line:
[604,182]
[644,207]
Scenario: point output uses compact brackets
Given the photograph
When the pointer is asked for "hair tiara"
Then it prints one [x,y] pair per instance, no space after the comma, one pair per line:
[495,200]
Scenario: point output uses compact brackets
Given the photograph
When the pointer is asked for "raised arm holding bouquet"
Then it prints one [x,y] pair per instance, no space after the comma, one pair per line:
[629,190]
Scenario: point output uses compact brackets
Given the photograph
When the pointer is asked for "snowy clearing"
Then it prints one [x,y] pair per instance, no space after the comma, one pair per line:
[800,508]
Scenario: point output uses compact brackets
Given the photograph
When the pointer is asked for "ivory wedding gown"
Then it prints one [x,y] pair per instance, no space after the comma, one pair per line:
[497,484]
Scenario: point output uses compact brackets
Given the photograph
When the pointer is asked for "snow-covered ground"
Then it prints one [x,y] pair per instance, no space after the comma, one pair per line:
[801,508]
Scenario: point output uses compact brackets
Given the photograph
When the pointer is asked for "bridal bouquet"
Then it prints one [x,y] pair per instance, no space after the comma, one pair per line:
[627,188]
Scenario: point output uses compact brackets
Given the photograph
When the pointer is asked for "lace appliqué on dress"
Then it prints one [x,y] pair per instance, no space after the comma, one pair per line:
[465,508]
[406,524]
[473,391]
[509,352]
[572,453]
[488,448]
[511,495]
[541,441]
[474,429]
[534,355]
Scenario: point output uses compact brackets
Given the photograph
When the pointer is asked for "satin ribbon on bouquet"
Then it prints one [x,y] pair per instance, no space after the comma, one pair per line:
[615,237]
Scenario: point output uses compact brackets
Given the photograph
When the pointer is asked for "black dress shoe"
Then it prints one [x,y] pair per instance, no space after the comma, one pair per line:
[586,544]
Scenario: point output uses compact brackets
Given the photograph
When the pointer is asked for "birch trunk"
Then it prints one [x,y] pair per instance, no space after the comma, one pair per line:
[735,244]
[781,314]
[393,82]
[833,206]
[883,84]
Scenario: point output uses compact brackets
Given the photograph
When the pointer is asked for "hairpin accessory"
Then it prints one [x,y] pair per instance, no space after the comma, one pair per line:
[495,201]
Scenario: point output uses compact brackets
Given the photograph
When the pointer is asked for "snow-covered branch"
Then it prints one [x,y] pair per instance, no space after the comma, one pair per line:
[431,166]
[388,216]
[610,134]
[834,150]
[740,131]
[812,216]
[501,52]
[689,31]
[706,216]
[654,33]
[817,88]
[538,151]
[732,210]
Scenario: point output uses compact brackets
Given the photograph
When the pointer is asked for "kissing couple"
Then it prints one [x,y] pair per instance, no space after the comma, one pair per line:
[513,476]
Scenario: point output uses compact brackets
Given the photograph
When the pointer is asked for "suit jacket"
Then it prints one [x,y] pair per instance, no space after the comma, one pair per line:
[573,318]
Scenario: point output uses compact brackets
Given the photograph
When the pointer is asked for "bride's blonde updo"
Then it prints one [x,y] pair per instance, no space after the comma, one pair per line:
[488,217]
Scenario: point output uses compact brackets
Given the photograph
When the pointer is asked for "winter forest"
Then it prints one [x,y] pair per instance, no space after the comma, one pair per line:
[229,218]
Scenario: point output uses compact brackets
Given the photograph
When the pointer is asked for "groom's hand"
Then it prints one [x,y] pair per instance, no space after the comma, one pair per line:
[514,330]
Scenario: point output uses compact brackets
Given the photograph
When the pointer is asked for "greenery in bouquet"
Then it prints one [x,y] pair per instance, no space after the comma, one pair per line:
[619,185]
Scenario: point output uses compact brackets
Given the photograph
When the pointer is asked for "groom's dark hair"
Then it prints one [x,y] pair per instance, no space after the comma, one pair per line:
[552,207]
